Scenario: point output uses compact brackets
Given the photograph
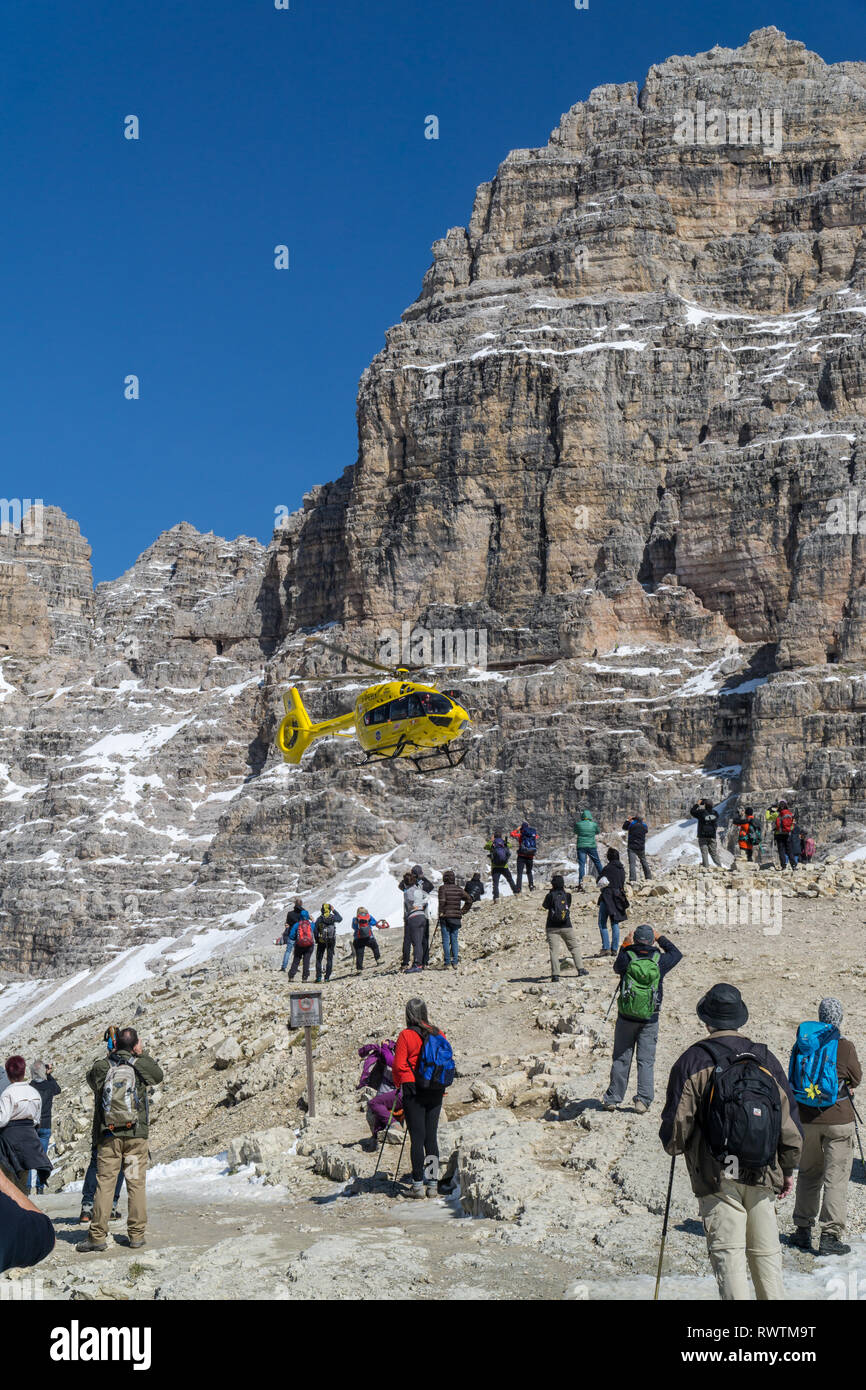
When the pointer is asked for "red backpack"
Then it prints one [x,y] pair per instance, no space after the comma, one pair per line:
[304,935]
[785,821]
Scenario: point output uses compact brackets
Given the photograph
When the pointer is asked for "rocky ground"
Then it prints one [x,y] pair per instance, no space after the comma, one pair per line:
[292,1208]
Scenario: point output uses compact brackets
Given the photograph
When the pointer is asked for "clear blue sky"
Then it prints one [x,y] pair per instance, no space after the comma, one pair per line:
[260,127]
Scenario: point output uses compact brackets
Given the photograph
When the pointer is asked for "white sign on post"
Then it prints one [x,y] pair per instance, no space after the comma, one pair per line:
[305,1011]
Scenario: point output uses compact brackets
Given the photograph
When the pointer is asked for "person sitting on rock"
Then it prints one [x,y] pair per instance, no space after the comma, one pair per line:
[362,937]
[560,931]
[385,1107]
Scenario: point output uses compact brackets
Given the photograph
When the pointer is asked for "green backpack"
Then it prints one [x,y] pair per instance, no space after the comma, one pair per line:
[639,989]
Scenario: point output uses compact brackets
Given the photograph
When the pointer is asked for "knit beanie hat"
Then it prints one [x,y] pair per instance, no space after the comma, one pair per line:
[830,1011]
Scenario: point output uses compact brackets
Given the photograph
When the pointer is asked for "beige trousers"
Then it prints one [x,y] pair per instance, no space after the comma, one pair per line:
[825,1162]
[111,1156]
[741,1230]
[557,937]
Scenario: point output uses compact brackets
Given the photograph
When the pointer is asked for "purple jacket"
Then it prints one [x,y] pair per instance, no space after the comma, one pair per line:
[376,1054]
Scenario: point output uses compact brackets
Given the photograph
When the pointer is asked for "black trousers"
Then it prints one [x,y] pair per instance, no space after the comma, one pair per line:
[302,953]
[321,948]
[416,932]
[422,1117]
[505,873]
[524,861]
[360,947]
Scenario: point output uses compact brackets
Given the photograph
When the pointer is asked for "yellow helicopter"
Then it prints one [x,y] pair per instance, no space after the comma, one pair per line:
[399,718]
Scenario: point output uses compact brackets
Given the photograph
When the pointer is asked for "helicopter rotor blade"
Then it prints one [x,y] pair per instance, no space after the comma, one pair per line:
[356,656]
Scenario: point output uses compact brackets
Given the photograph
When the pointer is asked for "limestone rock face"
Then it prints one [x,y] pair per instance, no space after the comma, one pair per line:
[620,429]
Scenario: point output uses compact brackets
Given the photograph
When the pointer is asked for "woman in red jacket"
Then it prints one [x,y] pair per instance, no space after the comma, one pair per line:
[421,1107]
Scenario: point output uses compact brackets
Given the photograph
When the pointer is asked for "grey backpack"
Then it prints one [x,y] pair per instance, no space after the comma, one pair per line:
[120,1103]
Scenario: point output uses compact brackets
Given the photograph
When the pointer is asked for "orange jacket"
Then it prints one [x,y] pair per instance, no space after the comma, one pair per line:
[406,1055]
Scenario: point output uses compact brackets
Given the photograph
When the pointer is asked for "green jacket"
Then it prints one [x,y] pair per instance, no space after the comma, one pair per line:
[586,830]
[150,1073]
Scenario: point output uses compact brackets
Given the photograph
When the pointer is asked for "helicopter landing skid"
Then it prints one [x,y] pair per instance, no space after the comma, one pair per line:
[423,762]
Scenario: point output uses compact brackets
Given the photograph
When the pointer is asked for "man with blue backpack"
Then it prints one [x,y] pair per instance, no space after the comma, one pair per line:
[499,857]
[642,963]
[527,843]
[823,1071]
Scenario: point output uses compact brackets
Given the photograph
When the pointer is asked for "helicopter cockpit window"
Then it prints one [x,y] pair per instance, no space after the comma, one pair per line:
[379,715]
[434,703]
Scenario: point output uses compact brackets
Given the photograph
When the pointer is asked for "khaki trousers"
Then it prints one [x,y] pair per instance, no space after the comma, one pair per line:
[825,1162]
[740,1226]
[112,1155]
[557,937]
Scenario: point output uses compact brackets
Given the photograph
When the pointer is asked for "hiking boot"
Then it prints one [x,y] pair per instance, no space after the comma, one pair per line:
[85,1247]
[115,1215]
[418,1190]
[454,965]
[86,1216]
[583,972]
[802,1238]
[554,979]
[605,1105]
[640,1106]
[832,1245]
[614,950]
[433,1189]
[136,1242]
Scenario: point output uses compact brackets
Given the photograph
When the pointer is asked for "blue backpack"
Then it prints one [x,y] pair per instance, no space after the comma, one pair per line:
[812,1068]
[499,852]
[435,1067]
[529,841]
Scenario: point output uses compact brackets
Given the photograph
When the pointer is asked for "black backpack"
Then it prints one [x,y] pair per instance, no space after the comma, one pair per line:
[558,916]
[742,1113]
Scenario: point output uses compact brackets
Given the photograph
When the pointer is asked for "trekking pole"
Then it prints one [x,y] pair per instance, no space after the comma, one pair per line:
[385,1140]
[665,1229]
[610,1005]
[402,1147]
[857,1128]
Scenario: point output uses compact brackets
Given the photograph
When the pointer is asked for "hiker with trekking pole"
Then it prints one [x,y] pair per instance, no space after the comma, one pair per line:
[642,963]
[423,1069]
[823,1070]
[731,1112]
[377,1074]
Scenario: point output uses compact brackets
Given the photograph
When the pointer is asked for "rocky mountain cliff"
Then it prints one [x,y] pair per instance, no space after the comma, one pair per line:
[620,428]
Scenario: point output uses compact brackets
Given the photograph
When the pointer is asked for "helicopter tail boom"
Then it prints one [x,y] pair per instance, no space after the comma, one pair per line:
[297,731]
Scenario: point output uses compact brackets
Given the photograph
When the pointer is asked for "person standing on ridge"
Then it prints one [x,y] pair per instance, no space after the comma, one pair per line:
[749,837]
[422,1101]
[417,928]
[823,1071]
[782,827]
[612,902]
[293,916]
[499,857]
[730,1110]
[42,1080]
[88,1191]
[302,939]
[120,1131]
[325,932]
[707,818]
[586,830]
[636,846]
[20,1113]
[454,903]
[475,887]
[527,843]
[643,961]
[559,928]
[363,926]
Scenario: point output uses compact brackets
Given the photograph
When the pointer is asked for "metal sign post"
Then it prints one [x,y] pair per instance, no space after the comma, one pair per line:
[306,1012]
